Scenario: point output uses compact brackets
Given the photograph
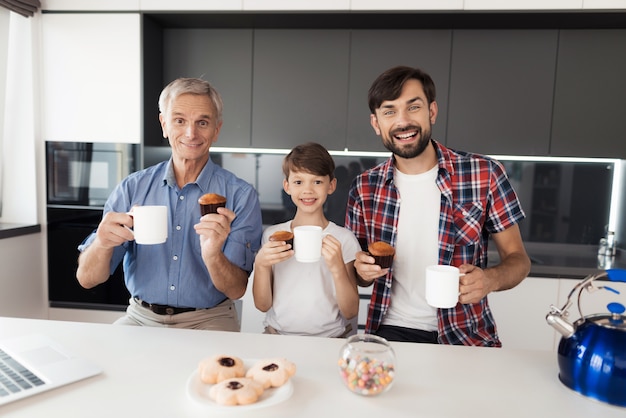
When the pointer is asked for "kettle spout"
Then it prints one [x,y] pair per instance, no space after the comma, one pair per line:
[559,323]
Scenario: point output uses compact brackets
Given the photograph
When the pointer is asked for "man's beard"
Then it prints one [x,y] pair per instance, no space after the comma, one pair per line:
[412,150]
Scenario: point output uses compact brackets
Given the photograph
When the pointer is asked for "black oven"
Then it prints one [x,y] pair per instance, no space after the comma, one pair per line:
[80,176]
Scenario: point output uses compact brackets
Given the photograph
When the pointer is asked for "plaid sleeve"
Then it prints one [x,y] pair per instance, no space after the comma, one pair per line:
[505,209]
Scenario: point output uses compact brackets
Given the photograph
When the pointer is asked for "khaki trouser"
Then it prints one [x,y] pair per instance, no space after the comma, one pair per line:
[222,317]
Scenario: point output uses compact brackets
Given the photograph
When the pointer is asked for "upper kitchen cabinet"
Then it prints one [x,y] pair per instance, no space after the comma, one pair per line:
[300,87]
[589,104]
[373,52]
[501,91]
[91,77]
[224,58]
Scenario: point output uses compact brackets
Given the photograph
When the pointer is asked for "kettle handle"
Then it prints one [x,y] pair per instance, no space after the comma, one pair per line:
[556,315]
[615,275]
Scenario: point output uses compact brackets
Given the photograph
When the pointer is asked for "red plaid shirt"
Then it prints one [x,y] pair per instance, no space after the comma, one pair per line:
[476,200]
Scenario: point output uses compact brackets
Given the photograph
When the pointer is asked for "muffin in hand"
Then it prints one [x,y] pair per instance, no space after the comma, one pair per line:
[382,252]
[286,236]
[210,202]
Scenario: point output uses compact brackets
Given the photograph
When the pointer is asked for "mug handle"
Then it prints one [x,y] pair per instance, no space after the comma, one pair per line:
[130,212]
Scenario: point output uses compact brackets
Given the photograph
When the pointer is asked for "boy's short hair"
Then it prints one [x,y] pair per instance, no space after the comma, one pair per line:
[310,157]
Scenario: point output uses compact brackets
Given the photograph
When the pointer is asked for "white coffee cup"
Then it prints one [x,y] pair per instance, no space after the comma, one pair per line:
[307,243]
[150,224]
[442,286]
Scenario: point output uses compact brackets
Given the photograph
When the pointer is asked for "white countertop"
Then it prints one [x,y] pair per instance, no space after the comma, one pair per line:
[146,370]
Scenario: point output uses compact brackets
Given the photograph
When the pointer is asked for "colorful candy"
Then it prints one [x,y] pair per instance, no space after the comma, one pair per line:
[365,375]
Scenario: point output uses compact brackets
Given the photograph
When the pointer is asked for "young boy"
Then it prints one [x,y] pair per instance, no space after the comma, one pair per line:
[308,298]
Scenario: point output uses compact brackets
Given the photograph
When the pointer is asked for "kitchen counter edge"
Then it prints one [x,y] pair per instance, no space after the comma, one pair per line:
[12,230]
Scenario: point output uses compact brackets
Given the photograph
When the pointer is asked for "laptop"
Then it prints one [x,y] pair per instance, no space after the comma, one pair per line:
[33,364]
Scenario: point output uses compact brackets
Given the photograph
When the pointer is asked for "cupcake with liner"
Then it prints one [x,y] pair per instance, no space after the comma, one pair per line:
[382,252]
[286,236]
[210,202]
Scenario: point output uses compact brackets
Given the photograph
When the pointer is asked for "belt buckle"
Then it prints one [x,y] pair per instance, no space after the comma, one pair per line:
[169,310]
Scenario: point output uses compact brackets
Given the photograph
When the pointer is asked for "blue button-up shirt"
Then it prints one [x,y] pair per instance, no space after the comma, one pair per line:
[173,273]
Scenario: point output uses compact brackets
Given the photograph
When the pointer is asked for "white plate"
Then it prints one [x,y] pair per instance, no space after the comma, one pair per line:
[199,392]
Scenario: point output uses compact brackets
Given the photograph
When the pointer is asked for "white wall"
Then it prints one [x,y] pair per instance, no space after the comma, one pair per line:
[19,159]
[23,259]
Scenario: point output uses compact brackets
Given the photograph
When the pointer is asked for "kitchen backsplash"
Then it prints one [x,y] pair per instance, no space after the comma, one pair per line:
[566,201]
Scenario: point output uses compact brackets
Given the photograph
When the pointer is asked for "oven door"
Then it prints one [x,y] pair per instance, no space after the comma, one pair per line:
[67,228]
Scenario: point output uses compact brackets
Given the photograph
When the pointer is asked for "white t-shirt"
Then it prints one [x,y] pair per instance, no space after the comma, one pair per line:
[416,247]
[304,299]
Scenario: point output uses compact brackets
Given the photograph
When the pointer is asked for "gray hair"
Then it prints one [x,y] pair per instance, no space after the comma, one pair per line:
[190,86]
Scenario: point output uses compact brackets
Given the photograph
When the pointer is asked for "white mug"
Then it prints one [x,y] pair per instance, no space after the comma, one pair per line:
[149,224]
[307,243]
[442,286]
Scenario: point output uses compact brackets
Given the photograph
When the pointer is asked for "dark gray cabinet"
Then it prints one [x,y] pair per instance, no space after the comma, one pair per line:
[589,104]
[224,58]
[501,88]
[299,91]
[374,51]
[500,91]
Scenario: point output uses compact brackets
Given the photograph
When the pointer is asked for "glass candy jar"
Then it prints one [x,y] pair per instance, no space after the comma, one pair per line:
[367,364]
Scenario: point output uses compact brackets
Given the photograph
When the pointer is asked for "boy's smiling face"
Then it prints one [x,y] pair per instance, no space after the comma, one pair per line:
[308,191]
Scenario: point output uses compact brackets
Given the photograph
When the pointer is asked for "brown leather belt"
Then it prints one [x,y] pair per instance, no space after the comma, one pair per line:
[163,309]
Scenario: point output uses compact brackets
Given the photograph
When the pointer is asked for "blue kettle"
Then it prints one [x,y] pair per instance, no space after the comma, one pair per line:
[592,350]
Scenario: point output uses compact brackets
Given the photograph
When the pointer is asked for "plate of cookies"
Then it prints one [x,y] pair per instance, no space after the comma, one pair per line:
[226,382]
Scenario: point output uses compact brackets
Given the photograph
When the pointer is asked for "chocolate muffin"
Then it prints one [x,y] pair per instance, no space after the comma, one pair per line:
[210,202]
[382,252]
[286,236]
